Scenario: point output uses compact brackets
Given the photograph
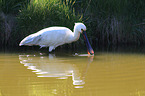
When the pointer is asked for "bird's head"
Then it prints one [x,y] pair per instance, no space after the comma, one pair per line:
[80,27]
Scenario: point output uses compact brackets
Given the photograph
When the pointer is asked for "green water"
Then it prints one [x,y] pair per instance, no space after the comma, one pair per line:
[33,73]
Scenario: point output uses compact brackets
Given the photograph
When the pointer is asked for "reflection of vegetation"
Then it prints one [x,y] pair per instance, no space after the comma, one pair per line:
[108,22]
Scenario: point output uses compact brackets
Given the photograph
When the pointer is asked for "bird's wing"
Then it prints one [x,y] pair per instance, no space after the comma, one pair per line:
[30,40]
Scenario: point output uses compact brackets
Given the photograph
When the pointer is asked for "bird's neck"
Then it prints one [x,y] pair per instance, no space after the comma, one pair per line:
[76,35]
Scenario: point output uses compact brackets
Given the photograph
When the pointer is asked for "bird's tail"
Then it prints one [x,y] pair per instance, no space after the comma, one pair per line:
[30,40]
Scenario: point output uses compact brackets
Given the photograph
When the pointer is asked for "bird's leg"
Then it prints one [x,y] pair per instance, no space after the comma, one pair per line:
[51,48]
[52,52]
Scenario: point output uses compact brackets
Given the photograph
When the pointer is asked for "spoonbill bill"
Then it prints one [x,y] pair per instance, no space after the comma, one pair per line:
[53,37]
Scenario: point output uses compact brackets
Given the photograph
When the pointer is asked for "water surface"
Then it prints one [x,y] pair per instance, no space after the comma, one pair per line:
[41,74]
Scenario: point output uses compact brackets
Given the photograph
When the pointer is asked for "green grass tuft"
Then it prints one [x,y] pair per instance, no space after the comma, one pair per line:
[40,14]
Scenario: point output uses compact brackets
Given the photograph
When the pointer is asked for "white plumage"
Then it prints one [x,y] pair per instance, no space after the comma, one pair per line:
[53,37]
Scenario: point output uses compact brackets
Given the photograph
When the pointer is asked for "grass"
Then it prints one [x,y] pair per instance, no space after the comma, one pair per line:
[109,22]
[113,21]
[39,14]
[12,6]
[7,23]
[8,11]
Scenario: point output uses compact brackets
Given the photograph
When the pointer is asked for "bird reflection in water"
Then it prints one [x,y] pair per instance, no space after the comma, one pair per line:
[60,68]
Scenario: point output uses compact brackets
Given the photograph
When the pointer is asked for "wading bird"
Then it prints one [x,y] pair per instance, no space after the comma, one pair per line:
[53,37]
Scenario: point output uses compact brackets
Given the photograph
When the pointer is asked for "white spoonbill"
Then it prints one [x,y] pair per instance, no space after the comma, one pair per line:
[56,36]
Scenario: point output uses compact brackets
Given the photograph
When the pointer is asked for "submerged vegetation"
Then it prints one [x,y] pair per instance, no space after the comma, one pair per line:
[110,22]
